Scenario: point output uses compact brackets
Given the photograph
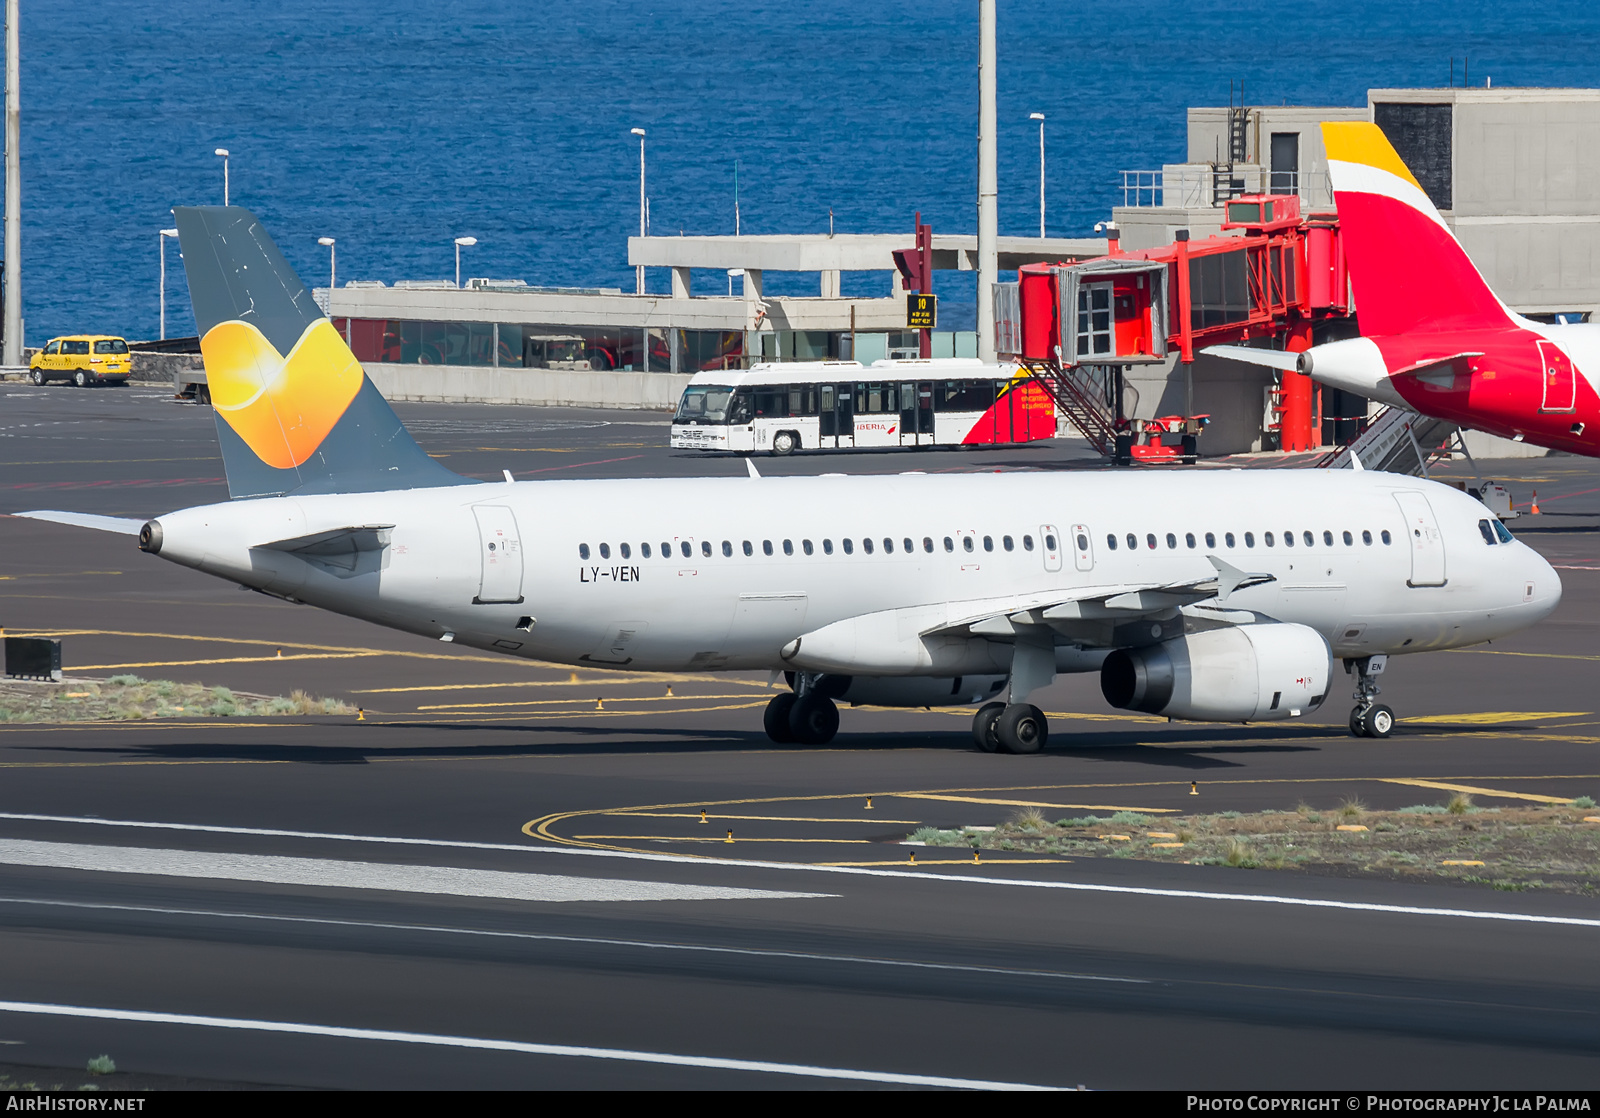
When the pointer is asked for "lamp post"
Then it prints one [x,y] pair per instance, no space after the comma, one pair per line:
[11,349]
[332,275]
[223,152]
[165,233]
[1040,118]
[731,273]
[639,280]
[460,242]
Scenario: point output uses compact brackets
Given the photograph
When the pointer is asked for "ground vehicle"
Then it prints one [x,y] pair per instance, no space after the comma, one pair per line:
[836,405]
[84,359]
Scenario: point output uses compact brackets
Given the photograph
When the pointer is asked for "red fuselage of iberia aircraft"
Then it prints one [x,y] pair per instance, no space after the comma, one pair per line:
[1216,595]
[1434,337]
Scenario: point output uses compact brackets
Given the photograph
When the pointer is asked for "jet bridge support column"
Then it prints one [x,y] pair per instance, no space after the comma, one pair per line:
[1295,432]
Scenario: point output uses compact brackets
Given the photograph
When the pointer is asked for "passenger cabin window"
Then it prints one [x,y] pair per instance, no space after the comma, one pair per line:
[1027,543]
[888,546]
[1250,539]
[949,544]
[583,551]
[1150,538]
[666,551]
[805,546]
[1384,536]
[748,550]
[1310,539]
[1188,538]
[788,547]
[988,543]
[1049,543]
[1211,540]
[1327,537]
[644,549]
[1266,539]
[907,543]
[1366,537]
[827,547]
[927,544]
[1083,542]
[627,552]
[684,547]
[966,543]
[705,548]
[848,545]
[727,548]
[766,547]
[1227,538]
[605,551]
[1133,542]
[1172,541]
[1349,540]
[866,545]
[1111,542]
[1011,545]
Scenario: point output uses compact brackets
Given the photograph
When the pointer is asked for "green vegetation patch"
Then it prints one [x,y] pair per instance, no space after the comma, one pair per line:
[1525,847]
[128,698]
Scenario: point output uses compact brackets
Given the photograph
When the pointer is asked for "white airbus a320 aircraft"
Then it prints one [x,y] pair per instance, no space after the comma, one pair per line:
[1207,595]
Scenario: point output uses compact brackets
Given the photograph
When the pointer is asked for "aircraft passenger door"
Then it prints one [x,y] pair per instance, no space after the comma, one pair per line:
[501,552]
[908,414]
[1560,380]
[1050,545]
[1423,536]
[846,414]
[1083,547]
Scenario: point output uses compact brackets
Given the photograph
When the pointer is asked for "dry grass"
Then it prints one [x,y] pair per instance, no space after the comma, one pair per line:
[129,698]
[1522,847]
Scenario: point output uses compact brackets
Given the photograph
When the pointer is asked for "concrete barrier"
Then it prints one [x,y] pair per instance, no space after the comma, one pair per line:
[547,387]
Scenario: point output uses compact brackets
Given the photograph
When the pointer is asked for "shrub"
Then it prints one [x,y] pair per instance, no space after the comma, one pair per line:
[102,1065]
[1029,819]
[124,681]
[1460,803]
[1351,808]
[1132,817]
[1583,801]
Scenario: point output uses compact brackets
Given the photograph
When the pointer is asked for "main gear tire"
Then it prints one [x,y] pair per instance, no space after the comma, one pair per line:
[1021,728]
[983,726]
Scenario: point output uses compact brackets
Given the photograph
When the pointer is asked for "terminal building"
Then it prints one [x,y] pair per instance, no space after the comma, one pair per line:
[1511,170]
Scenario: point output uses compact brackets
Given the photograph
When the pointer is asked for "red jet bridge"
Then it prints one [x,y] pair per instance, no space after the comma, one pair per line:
[1077,327]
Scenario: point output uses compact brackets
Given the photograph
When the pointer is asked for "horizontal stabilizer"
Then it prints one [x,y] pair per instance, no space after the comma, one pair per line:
[1271,358]
[118,524]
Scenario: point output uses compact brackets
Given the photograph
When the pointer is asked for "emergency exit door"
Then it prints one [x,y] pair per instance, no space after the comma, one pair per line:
[500,549]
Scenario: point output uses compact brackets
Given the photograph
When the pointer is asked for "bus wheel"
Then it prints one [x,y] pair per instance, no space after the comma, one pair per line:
[784,442]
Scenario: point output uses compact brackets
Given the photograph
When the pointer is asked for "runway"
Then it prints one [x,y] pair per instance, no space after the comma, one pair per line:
[499,876]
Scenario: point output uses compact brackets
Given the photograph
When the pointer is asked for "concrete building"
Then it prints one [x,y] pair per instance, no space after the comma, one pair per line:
[505,341]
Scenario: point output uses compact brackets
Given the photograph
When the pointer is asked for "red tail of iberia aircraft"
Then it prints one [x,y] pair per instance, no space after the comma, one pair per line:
[1434,337]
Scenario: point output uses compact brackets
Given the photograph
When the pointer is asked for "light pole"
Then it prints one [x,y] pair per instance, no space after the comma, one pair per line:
[332,275]
[1040,118]
[731,273]
[165,233]
[460,242]
[223,152]
[11,350]
[639,281]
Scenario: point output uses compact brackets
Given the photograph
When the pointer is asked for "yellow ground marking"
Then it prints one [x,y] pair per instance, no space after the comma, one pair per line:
[619,679]
[1476,791]
[1460,862]
[1535,655]
[282,644]
[570,701]
[55,574]
[759,818]
[953,862]
[227,660]
[1026,803]
[1496,716]
[715,838]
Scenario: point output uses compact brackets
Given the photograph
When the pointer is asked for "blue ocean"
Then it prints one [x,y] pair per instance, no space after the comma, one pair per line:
[398,126]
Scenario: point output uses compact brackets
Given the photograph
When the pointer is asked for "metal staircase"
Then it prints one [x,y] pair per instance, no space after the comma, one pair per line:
[1079,392]
[1398,441]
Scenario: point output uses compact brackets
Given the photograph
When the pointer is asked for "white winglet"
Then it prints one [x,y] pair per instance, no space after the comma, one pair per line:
[1355,460]
[508,475]
[751,466]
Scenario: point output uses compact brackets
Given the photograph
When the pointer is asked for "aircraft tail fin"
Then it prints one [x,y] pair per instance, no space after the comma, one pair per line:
[295,410]
[1409,272]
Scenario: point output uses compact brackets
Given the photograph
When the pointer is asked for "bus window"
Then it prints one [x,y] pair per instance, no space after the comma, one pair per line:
[704,403]
[772,403]
[964,395]
[802,399]
[739,410]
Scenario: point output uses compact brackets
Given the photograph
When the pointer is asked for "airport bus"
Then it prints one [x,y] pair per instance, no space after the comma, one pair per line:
[779,408]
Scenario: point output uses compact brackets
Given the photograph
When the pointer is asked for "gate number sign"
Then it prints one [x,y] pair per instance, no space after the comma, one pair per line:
[922,312]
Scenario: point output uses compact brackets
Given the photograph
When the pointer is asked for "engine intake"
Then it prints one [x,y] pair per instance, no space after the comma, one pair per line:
[1248,673]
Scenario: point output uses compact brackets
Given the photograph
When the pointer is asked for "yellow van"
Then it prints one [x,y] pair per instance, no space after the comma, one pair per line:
[84,359]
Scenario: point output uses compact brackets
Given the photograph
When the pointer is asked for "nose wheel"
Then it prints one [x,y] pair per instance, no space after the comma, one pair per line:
[806,718]
[1369,718]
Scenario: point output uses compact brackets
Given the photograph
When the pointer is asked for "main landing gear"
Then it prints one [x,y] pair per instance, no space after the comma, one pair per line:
[803,716]
[1010,728]
[1369,719]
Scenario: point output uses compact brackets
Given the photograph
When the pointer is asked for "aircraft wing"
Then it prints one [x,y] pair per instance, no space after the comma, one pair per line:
[1272,358]
[1114,603]
[922,639]
[118,524]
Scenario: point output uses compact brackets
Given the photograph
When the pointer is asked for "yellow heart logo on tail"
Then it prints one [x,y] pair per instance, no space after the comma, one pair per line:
[282,407]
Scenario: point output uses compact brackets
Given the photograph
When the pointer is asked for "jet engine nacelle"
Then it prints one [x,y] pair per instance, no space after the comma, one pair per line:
[1247,673]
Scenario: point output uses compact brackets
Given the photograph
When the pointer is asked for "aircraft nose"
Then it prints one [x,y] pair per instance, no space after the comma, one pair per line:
[1541,585]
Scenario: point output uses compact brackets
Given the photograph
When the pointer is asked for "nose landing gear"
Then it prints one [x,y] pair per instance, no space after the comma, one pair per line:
[1369,719]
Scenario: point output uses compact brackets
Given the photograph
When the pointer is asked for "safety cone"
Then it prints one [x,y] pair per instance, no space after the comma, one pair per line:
[869,803]
[1194,788]
[361,715]
[729,838]
[669,690]
[975,856]
[913,857]
[1534,509]
[599,704]
[279,656]
[703,818]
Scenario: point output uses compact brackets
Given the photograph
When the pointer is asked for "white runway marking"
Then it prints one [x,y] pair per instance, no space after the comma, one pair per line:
[327,873]
[714,1062]
[855,871]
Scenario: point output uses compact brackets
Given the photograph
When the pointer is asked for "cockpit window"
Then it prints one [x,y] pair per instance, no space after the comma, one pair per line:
[1487,533]
[1502,531]
[704,403]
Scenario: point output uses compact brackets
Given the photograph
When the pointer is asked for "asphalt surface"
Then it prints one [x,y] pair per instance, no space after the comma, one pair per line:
[293,921]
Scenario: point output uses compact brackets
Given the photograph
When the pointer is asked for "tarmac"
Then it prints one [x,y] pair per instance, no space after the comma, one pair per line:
[499,875]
